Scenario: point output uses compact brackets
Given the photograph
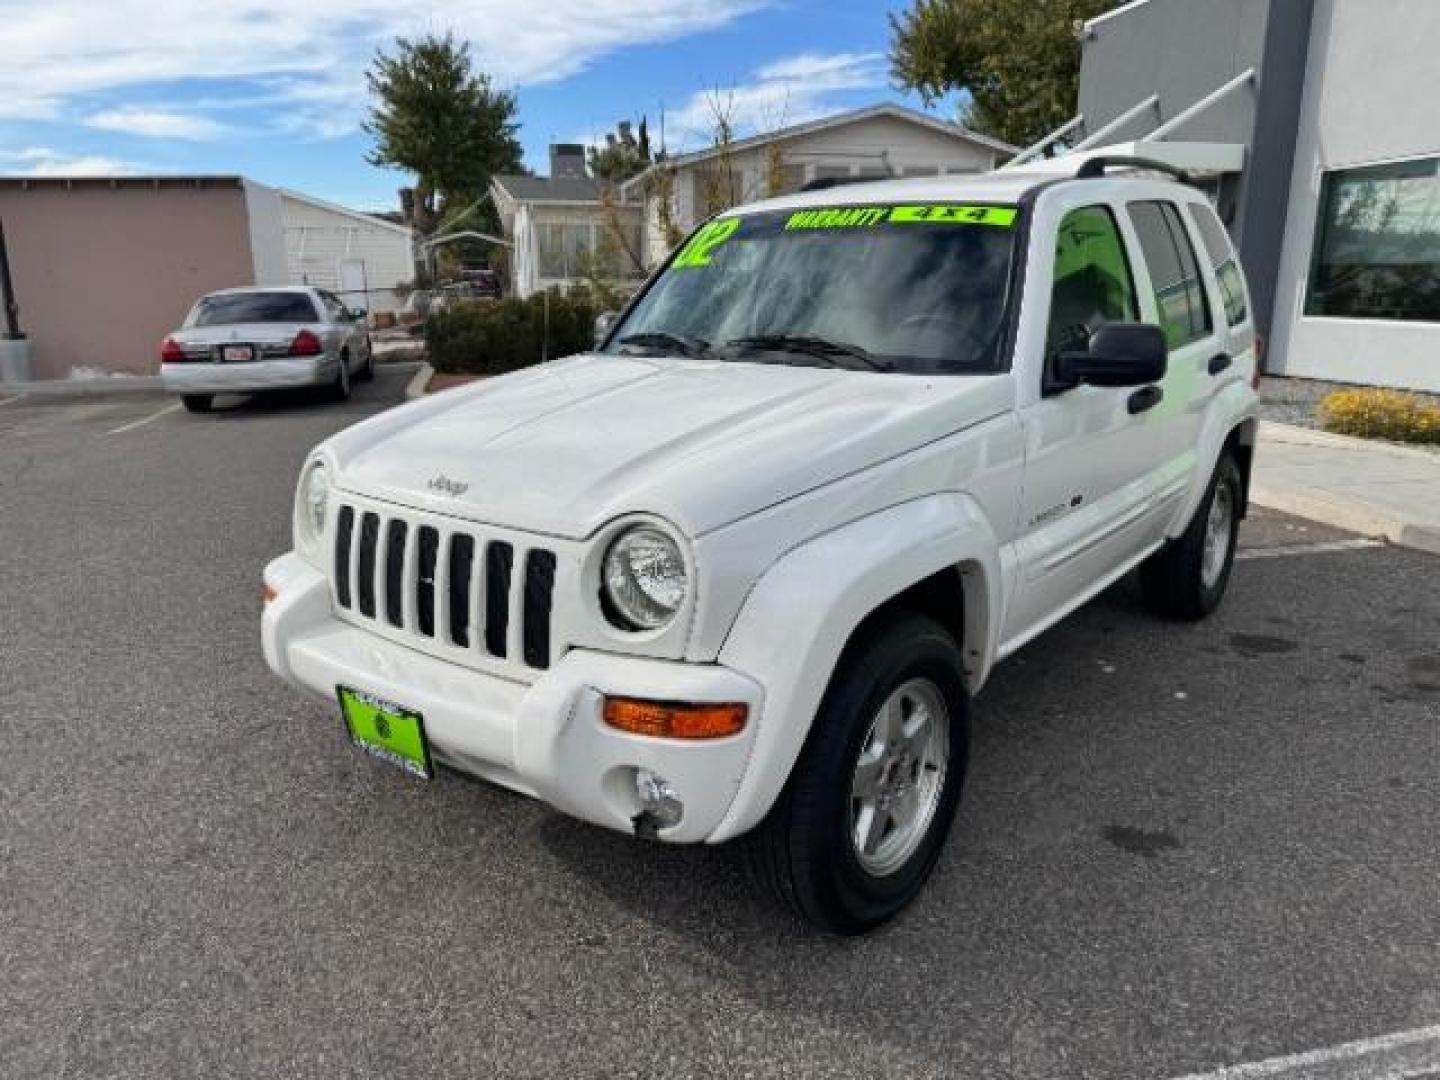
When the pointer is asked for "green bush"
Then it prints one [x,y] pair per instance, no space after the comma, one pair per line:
[491,337]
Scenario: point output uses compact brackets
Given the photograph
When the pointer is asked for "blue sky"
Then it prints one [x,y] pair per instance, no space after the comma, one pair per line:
[274,89]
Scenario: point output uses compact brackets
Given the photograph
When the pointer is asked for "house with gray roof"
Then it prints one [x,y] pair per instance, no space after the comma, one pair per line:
[560,230]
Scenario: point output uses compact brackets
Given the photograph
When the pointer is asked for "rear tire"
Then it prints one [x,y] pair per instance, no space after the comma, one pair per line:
[1186,579]
[198,403]
[890,741]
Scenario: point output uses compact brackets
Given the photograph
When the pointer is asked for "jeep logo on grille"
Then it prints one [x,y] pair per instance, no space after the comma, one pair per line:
[443,485]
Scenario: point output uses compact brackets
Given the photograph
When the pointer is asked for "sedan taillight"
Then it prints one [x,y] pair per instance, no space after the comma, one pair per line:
[171,352]
[306,343]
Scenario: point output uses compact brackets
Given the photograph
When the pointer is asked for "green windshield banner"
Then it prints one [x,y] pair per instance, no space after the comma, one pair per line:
[859,217]
[697,252]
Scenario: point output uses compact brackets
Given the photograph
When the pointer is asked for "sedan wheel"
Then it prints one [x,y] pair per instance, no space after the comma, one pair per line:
[340,388]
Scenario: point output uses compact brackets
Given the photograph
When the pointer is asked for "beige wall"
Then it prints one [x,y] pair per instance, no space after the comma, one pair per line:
[103,272]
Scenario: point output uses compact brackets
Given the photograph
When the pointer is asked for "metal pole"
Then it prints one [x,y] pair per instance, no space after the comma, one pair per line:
[1099,137]
[7,294]
[1180,119]
[1034,150]
[545,332]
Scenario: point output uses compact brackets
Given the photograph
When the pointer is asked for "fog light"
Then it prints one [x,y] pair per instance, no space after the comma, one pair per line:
[659,801]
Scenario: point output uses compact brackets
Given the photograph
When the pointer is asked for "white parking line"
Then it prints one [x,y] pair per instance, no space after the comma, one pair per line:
[1319,548]
[1387,1057]
[144,420]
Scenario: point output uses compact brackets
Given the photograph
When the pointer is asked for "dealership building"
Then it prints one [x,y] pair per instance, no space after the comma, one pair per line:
[1315,126]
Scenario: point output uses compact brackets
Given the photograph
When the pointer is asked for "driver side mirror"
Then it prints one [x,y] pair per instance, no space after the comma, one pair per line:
[604,323]
[1119,354]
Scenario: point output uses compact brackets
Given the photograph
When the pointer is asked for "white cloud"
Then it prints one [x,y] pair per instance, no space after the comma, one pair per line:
[157,124]
[787,91]
[44,161]
[310,54]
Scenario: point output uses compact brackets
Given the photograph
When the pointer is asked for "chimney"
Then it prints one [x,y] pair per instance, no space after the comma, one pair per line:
[567,160]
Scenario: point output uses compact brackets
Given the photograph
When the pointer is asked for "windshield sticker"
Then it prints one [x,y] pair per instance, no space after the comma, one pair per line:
[703,244]
[857,217]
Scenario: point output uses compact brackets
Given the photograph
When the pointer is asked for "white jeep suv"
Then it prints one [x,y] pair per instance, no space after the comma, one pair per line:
[739,572]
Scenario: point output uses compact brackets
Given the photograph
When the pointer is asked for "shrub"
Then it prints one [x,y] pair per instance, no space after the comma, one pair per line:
[1382,414]
[491,337]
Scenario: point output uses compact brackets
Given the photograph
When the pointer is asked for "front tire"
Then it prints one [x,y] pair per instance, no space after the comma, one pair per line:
[367,373]
[339,390]
[197,403]
[1186,579]
[863,819]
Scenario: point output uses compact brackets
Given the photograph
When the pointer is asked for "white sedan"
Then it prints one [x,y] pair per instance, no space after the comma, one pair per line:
[255,339]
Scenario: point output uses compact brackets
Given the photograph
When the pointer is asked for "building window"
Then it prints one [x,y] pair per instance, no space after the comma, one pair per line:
[1174,272]
[564,247]
[1222,258]
[1377,244]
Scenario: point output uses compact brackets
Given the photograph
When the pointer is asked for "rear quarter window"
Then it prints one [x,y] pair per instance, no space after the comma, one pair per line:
[1222,258]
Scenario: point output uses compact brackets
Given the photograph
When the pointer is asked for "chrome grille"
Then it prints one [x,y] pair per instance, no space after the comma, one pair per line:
[444,586]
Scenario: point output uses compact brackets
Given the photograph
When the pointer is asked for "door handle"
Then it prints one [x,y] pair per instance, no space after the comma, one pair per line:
[1219,362]
[1147,397]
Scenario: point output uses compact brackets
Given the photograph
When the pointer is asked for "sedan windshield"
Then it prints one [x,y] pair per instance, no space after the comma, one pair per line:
[257,307]
[916,289]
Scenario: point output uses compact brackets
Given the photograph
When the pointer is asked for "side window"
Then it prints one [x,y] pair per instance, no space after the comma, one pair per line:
[1174,272]
[1093,283]
[1222,258]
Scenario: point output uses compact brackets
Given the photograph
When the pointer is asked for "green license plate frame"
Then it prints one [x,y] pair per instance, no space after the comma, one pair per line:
[387,731]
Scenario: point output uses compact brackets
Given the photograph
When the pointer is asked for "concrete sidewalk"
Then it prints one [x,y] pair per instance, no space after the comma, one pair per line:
[1373,488]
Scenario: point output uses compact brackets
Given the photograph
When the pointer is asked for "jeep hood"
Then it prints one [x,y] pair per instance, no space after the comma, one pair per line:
[564,447]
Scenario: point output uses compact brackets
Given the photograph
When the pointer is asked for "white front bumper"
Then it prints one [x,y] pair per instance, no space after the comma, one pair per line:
[207,378]
[545,739]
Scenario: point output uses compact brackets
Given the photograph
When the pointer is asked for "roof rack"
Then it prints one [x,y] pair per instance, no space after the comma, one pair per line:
[822,182]
[1096,166]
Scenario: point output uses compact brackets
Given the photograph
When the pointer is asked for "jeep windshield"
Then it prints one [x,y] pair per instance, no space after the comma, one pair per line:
[919,289]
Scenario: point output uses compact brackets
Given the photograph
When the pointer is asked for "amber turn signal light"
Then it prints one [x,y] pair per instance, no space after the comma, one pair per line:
[268,593]
[675,720]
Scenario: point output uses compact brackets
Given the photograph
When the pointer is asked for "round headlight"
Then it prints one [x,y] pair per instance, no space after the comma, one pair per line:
[645,579]
[314,500]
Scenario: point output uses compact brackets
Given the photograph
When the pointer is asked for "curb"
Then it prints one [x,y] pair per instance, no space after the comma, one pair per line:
[1344,511]
[1352,514]
[1273,431]
[417,385]
[129,384]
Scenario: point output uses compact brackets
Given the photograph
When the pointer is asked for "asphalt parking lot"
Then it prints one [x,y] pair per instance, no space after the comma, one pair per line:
[1181,847]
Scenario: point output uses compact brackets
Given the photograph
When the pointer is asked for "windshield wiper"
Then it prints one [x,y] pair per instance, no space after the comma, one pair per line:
[685,346]
[824,348]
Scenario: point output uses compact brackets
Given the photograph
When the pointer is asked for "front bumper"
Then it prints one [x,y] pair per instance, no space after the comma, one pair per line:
[208,378]
[545,739]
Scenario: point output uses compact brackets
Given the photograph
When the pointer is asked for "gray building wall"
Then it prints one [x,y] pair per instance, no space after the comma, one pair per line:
[1180,50]
[1369,98]
[1184,50]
